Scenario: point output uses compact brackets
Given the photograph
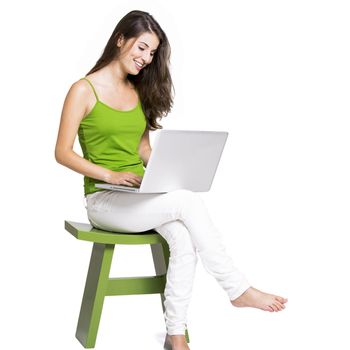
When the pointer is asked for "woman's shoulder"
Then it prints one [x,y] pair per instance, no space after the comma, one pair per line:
[82,88]
[81,83]
[80,94]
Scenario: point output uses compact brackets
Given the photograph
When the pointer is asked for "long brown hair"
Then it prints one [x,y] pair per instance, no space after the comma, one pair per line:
[153,83]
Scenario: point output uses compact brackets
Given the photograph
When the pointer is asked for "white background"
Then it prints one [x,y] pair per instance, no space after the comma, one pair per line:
[275,75]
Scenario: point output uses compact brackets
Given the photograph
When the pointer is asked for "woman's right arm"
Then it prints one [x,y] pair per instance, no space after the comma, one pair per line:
[74,110]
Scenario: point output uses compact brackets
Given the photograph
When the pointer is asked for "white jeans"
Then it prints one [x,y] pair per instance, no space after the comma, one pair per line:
[182,219]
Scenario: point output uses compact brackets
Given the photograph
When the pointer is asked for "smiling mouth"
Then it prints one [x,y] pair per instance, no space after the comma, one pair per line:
[138,64]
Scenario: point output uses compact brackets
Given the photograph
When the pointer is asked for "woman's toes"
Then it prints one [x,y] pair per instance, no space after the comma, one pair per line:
[279,305]
[270,308]
[282,307]
[281,300]
[274,306]
[253,297]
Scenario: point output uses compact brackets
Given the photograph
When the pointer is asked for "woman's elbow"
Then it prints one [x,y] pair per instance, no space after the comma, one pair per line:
[60,156]
[145,155]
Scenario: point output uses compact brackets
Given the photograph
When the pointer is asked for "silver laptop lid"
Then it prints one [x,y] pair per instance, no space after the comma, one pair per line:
[183,159]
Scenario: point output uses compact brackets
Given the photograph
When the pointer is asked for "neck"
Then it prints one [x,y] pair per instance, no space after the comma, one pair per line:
[116,75]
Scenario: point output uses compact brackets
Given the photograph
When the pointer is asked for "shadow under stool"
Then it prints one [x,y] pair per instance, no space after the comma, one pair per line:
[98,283]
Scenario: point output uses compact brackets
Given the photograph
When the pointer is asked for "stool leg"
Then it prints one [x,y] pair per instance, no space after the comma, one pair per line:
[161,253]
[94,294]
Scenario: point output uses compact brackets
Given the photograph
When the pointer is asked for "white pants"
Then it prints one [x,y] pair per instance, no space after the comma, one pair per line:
[182,219]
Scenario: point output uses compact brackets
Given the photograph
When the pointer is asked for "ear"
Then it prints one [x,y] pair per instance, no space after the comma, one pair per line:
[120,41]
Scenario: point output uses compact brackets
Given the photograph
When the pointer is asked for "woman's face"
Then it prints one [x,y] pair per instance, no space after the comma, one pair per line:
[136,53]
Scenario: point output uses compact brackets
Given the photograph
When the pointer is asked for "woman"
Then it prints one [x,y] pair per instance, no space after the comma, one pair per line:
[112,109]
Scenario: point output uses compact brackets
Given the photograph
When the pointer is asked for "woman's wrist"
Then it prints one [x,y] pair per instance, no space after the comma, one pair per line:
[107,176]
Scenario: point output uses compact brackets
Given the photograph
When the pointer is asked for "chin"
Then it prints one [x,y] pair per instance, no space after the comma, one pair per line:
[133,72]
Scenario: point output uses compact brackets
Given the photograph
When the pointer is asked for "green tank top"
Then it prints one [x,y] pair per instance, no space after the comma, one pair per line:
[110,138]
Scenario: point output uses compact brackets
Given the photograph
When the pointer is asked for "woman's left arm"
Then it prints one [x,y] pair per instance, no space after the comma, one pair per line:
[145,147]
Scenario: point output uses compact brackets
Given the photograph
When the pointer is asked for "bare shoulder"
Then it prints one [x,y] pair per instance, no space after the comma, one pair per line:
[80,88]
[79,98]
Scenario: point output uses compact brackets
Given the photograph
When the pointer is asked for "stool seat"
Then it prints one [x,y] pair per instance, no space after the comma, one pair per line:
[86,232]
[98,283]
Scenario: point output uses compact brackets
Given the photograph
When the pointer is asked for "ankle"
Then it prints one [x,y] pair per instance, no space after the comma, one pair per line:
[178,339]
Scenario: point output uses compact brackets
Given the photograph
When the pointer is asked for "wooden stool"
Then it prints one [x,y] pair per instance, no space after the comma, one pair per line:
[98,284]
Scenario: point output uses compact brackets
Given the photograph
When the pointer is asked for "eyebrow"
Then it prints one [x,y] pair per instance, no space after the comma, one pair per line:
[147,45]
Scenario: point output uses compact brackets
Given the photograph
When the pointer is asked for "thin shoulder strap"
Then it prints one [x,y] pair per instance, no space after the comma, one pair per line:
[92,87]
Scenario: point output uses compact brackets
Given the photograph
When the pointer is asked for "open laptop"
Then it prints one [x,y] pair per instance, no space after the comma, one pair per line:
[180,159]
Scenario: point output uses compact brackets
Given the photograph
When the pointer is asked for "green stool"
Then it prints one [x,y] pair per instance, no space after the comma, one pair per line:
[98,284]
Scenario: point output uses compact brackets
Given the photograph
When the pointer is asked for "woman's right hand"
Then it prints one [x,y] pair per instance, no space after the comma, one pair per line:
[125,178]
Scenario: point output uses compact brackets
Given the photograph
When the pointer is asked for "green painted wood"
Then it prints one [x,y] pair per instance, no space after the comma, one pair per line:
[159,252]
[87,232]
[98,284]
[187,336]
[136,285]
[94,294]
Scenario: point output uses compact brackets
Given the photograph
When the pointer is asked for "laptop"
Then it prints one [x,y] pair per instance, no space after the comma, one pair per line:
[180,159]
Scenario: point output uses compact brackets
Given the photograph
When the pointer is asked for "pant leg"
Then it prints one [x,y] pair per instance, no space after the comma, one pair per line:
[136,212]
[180,275]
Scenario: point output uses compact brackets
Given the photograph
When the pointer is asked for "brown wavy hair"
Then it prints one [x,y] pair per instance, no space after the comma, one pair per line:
[153,84]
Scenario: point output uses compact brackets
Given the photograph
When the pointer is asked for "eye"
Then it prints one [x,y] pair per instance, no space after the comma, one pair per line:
[141,48]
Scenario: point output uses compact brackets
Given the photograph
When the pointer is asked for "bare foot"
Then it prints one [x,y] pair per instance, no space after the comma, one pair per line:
[253,297]
[177,342]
